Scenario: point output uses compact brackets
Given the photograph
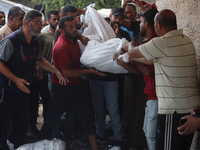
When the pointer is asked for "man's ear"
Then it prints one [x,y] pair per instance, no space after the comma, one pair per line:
[61,31]
[11,18]
[27,23]
[159,26]
[146,24]
[48,21]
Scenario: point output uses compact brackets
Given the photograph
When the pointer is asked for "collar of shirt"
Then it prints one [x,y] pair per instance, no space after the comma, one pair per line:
[68,39]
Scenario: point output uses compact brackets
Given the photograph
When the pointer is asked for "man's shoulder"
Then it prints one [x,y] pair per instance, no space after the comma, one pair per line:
[4,31]
[14,35]
[44,35]
[125,34]
[61,43]
[46,32]
[4,27]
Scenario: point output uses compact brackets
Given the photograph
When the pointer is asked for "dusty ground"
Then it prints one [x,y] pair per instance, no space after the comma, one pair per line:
[79,143]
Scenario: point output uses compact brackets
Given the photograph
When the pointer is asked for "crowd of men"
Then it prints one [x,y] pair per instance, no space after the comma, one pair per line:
[160,91]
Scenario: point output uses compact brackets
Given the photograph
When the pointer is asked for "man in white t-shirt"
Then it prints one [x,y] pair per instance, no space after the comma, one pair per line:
[177,86]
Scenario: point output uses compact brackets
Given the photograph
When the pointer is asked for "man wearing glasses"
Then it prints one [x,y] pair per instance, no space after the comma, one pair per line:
[19,54]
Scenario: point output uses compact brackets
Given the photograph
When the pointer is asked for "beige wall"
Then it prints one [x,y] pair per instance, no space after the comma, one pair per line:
[188,18]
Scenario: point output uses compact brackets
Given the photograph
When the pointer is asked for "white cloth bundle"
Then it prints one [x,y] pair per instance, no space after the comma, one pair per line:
[103,44]
[54,144]
[100,56]
[97,25]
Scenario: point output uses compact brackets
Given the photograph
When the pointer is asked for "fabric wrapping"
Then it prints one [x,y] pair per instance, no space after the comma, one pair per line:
[99,51]
[54,144]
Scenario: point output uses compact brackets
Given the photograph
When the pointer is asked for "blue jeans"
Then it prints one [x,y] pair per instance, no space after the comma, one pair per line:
[150,121]
[104,95]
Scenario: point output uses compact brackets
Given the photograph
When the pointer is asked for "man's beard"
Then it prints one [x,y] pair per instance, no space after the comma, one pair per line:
[78,26]
[52,26]
[143,33]
[35,32]
[70,36]
[113,23]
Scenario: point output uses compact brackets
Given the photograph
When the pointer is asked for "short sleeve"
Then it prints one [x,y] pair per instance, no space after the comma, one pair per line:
[6,50]
[155,48]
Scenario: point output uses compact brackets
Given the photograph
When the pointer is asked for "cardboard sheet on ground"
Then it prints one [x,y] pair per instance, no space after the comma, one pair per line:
[99,51]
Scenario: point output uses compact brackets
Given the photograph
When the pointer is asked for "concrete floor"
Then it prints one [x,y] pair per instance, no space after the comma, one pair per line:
[79,143]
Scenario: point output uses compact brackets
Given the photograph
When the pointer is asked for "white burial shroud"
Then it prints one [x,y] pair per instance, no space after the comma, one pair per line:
[99,51]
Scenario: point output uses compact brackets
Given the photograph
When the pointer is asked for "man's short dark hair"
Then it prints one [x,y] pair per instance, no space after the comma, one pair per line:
[132,6]
[14,12]
[52,12]
[149,16]
[68,8]
[30,15]
[2,12]
[63,20]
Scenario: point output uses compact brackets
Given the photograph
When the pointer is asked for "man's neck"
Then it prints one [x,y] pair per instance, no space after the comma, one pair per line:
[10,26]
[27,35]
[149,34]
[51,30]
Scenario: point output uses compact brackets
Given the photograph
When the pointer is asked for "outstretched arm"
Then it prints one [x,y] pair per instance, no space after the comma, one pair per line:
[43,63]
[78,72]
[143,60]
[128,66]
[139,3]
[135,68]
[83,39]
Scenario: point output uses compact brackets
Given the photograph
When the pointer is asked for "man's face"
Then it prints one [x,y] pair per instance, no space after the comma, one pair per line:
[142,26]
[78,22]
[118,19]
[2,18]
[130,13]
[53,21]
[17,22]
[35,26]
[70,29]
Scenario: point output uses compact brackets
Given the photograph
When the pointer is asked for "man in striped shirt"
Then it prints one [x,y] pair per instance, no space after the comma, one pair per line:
[177,86]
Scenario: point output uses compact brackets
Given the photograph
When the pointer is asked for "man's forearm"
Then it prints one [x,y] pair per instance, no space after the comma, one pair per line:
[126,23]
[135,53]
[7,72]
[130,67]
[143,60]
[81,11]
[74,72]
[44,64]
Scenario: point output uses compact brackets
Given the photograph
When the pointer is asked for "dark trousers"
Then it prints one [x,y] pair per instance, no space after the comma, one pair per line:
[127,105]
[75,101]
[15,111]
[167,136]
[39,87]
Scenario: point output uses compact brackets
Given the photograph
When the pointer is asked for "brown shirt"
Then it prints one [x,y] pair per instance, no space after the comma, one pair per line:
[4,31]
